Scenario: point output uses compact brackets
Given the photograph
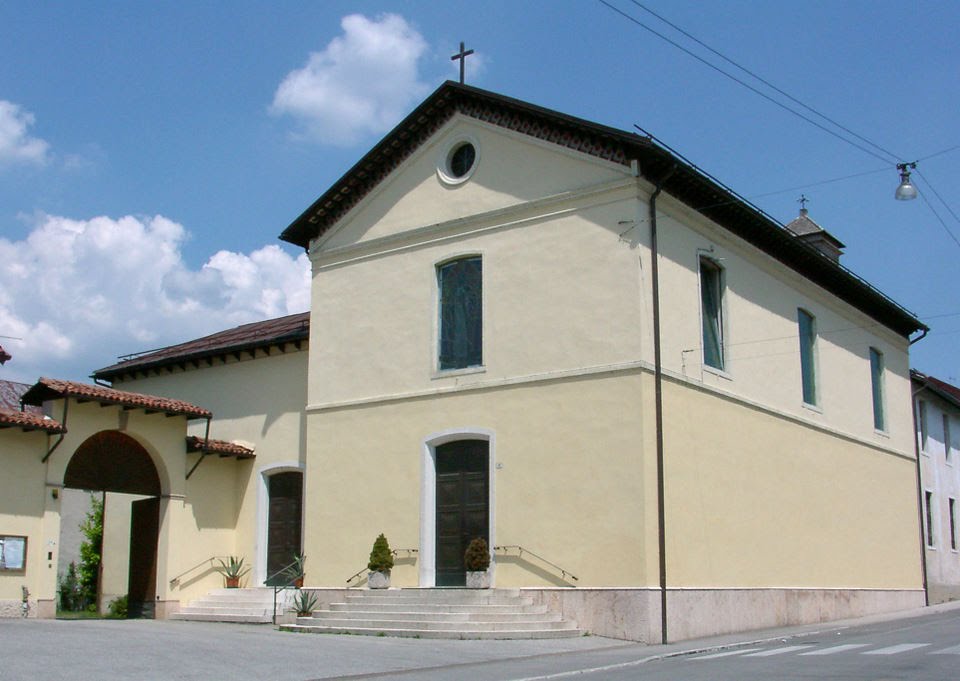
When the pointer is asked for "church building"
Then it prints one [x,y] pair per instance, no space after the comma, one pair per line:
[668,415]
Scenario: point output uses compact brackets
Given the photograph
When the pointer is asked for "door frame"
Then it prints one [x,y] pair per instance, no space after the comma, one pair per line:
[428,496]
[263,513]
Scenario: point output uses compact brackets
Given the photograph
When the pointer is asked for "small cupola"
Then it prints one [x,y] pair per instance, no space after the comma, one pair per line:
[813,234]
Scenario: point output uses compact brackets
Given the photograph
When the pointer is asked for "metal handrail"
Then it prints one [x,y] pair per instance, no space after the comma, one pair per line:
[280,587]
[394,552]
[564,573]
[175,580]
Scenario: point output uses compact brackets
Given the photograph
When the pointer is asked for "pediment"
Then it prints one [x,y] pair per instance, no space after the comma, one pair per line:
[509,169]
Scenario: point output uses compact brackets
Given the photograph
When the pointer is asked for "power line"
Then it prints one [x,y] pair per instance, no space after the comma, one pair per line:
[770,85]
[743,83]
[936,214]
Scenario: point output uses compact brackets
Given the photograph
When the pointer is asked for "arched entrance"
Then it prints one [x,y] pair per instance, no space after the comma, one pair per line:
[113,462]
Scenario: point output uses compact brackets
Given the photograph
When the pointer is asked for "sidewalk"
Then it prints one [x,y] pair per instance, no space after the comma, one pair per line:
[111,650]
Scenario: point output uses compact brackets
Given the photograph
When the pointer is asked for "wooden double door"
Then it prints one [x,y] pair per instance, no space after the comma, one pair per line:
[463,505]
[283,523]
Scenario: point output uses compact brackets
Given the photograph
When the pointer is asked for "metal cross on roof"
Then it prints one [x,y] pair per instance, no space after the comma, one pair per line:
[803,200]
[462,56]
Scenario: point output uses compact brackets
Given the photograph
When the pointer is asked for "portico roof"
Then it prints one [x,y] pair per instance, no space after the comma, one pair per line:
[27,421]
[51,388]
[221,447]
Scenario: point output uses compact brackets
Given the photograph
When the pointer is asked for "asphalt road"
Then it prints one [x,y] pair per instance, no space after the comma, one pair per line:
[920,646]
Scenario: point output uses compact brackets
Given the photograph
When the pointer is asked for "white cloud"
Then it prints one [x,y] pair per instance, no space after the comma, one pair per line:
[362,83]
[15,144]
[80,292]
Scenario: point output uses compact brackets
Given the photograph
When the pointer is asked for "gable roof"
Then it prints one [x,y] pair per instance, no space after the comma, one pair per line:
[942,389]
[246,338]
[51,388]
[686,183]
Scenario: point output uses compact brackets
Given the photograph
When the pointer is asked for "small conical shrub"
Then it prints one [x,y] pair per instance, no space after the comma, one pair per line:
[477,556]
[381,558]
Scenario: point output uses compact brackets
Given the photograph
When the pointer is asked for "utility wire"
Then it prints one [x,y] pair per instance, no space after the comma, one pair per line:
[937,194]
[923,195]
[743,83]
[770,85]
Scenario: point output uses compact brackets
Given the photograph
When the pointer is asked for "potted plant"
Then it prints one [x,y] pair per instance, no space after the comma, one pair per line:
[304,603]
[232,570]
[294,572]
[477,561]
[381,562]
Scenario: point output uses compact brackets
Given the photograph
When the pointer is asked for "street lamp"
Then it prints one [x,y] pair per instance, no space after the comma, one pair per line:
[906,191]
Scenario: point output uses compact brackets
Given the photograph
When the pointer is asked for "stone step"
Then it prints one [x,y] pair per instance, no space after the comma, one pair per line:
[225,609]
[439,598]
[438,607]
[223,617]
[434,625]
[427,616]
[527,634]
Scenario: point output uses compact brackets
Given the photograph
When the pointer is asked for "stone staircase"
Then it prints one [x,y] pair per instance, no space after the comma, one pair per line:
[438,613]
[252,606]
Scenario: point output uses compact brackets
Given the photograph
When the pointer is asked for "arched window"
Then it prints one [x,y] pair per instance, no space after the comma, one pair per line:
[460,285]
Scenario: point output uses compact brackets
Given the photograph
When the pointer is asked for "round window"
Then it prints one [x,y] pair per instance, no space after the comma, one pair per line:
[461,159]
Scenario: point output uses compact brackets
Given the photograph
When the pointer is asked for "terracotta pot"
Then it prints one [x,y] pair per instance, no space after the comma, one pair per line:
[298,582]
[232,582]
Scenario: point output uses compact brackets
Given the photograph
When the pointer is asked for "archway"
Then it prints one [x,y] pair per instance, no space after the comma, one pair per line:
[113,462]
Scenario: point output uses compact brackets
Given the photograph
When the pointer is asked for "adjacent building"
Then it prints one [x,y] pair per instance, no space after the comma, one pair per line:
[937,414]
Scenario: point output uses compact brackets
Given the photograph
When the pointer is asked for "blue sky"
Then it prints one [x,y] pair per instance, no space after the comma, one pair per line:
[151,153]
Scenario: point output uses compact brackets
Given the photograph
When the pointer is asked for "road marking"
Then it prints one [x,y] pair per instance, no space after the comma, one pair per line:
[837,649]
[955,650]
[779,651]
[726,653]
[894,650]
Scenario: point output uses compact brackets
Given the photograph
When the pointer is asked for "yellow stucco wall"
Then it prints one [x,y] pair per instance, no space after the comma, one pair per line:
[566,480]
[762,500]
[25,499]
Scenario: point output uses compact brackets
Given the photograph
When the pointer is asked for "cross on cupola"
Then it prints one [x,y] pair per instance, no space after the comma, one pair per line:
[462,56]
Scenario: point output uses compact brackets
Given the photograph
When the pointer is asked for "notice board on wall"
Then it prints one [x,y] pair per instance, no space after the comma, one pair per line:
[13,552]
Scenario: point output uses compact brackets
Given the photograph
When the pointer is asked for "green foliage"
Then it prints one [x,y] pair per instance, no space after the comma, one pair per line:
[118,607]
[71,596]
[88,572]
[295,570]
[233,568]
[381,557]
[477,556]
[304,603]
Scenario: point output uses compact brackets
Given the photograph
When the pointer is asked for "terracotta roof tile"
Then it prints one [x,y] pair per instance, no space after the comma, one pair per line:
[221,447]
[945,390]
[289,329]
[51,388]
[27,420]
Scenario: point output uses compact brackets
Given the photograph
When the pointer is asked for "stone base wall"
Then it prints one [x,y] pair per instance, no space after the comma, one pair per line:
[14,608]
[943,593]
[634,614]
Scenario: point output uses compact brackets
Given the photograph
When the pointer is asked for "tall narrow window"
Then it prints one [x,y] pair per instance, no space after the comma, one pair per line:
[922,418]
[928,498]
[876,382]
[711,312]
[946,439]
[953,524]
[460,284]
[808,348]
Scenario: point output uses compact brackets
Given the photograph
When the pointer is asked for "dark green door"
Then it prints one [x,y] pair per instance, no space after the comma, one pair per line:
[463,505]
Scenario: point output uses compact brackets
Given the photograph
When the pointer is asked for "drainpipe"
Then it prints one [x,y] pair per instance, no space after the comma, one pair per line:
[658,401]
[66,405]
[916,449]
